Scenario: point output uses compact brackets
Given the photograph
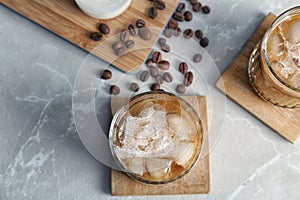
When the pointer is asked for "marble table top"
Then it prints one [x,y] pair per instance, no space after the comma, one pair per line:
[42,156]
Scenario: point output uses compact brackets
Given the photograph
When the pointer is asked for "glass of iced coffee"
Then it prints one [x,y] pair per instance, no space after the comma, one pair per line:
[156,137]
[274,65]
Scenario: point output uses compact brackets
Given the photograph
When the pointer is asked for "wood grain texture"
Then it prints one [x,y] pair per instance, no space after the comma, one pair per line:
[238,87]
[197,181]
[64,18]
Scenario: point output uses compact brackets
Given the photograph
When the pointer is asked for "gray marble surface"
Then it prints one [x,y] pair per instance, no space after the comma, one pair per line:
[42,156]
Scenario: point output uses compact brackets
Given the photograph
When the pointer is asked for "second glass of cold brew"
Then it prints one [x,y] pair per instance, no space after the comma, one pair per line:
[274,65]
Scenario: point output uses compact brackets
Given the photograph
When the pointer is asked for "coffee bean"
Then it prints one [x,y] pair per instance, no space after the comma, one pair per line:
[168,32]
[181,7]
[183,67]
[159,79]
[145,33]
[172,24]
[152,13]
[96,36]
[162,41]
[206,9]
[188,78]
[167,77]
[155,87]
[180,88]
[204,42]
[132,30]
[114,90]
[104,28]
[117,45]
[154,71]
[129,43]
[144,76]
[197,7]
[166,48]
[164,65]
[134,87]
[121,51]
[193,1]
[177,31]
[197,58]
[140,23]
[198,34]
[156,57]
[106,74]
[159,4]
[188,15]
[178,16]
[188,33]
[149,62]
[124,35]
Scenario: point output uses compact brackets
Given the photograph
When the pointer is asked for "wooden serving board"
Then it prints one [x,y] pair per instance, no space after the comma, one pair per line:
[197,181]
[64,18]
[238,87]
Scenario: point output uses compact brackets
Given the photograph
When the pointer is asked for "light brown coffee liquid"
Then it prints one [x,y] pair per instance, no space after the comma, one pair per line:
[174,170]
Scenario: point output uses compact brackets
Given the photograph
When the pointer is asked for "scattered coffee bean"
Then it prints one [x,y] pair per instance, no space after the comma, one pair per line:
[198,34]
[181,7]
[180,88]
[114,90]
[103,28]
[159,79]
[168,32]
[193,1]
[144,76]
[124,35]
[188,15]
[121,51]
[188,78]
[145,33]
[117,45]
[129,43]
[167,77]
[159,4]
[178,16]
[188,33]
[177,31]
[152,13]
[132,30]
[197,7]
[134,87]
[156,57]
[204,42]
[172,24]
[155,87]
[154,71]
[164,65]
[106,74]
[96,36]
[206,9]
[149,63]
[162,41]
[197,58]
[183,67]
[140,23]
[166,48]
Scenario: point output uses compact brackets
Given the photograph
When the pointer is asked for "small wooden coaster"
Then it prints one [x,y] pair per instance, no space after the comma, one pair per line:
[236,85]
[197,181]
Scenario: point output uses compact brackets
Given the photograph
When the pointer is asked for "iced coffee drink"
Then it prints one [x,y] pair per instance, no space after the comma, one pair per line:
[156,138]
[274,66]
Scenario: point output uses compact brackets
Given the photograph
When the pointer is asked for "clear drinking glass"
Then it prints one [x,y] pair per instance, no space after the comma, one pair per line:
[156,137]
[274,65]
